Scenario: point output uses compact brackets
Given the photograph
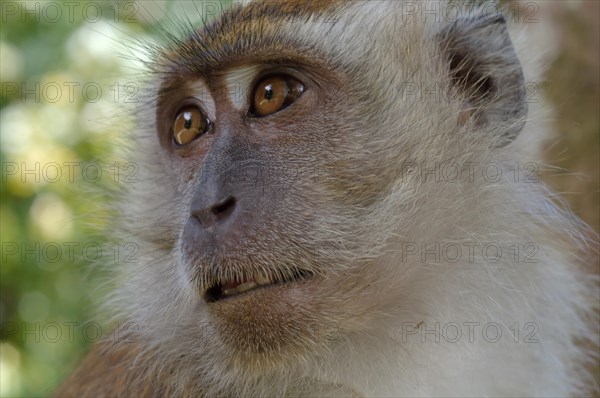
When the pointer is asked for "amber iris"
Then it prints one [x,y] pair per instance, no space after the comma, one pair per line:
[275,93]
[189,124]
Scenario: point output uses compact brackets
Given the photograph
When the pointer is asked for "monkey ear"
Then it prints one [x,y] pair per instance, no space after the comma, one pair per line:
[484,67]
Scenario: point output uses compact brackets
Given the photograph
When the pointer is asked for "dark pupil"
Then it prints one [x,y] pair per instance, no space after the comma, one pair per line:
[269,92]
[188,120]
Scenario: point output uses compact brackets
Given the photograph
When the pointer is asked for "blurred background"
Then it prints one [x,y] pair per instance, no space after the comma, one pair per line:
[67,83]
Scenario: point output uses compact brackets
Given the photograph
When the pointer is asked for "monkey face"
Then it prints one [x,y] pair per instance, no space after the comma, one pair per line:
[264,231]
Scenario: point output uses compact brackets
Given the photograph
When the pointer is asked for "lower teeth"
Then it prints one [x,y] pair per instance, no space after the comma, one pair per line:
[263,280]
[244,287]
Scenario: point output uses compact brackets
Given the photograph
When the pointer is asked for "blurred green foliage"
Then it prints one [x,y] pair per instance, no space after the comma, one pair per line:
[573,86]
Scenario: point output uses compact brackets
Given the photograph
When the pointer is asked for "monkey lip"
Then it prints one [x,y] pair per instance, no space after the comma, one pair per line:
[226,290]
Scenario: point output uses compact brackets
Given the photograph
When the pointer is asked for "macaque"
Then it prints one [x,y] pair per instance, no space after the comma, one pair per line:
[338,198]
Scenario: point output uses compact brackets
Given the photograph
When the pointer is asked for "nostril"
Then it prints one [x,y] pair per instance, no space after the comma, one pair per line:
[218,212]
[224,208]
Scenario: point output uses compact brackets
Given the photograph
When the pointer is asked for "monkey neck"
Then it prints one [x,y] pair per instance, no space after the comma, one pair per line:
[131,370]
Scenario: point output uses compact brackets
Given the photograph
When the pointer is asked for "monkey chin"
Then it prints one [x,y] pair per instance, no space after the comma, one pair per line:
[270,324]
[271,327]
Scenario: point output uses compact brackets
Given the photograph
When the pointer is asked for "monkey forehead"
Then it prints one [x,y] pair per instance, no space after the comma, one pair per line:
[280,31]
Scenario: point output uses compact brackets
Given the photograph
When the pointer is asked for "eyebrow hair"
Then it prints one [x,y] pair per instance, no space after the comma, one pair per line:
[251,32]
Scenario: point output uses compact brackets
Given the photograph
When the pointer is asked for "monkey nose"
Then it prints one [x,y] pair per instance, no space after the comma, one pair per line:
[216,213]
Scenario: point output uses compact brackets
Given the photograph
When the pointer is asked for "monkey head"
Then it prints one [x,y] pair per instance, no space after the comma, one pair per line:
[271,154]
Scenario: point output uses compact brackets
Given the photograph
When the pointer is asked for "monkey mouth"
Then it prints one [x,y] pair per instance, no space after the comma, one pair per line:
[225,290]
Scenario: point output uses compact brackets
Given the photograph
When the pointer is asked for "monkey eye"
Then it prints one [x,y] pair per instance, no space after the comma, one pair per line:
[189,124]
[274,94]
